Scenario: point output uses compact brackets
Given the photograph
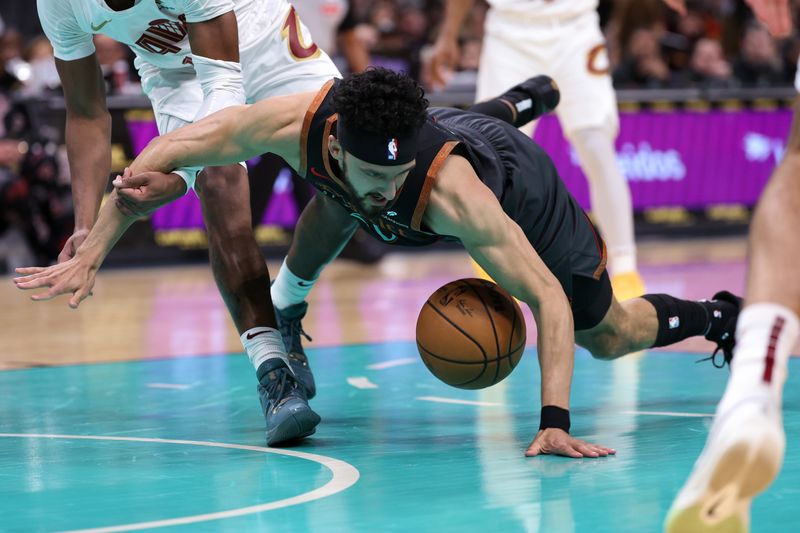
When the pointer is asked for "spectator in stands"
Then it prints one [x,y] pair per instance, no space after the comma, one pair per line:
[43,74]
[114,58]
[8,81]
[642,62]
[708,66]
[334,25]
[759,64]
[35,207]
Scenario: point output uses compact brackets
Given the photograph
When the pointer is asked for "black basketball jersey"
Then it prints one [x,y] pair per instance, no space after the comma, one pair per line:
[519,173]
[401,222]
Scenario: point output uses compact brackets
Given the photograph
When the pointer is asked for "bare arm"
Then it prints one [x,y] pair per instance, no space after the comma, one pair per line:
[231,135]
[76,276]
[217,38]
[445,51]
[463,207]
[88,137]
[775,14]
[354,51]
[215,49]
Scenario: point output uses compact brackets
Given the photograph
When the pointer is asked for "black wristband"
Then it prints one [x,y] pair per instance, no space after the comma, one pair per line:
[554,417]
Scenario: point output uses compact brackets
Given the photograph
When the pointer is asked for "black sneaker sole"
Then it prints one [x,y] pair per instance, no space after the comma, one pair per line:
[295,427]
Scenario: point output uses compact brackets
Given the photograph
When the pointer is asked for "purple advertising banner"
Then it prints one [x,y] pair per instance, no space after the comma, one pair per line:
[683,158]
[678,158]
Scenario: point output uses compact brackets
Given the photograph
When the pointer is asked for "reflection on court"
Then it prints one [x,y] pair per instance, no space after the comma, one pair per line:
[423,465]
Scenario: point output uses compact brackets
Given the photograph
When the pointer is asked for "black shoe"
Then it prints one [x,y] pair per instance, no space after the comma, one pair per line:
[724,309]
[284,404]
[291,328]
[543,92]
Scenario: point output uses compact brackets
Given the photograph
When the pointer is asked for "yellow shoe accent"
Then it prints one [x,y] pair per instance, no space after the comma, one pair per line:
[479,271]
[628,285]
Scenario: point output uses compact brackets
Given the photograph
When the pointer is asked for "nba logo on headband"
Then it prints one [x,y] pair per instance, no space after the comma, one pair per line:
[392,149]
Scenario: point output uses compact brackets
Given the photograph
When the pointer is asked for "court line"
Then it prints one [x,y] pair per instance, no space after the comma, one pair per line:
[393,363]
[361,383]
[345,475]
[176,386]
[669,413]
[439,399]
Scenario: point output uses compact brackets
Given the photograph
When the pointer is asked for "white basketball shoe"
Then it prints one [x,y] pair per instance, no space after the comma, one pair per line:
[742,456]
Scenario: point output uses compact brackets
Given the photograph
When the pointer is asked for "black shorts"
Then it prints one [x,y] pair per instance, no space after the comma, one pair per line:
[589,297]
[591,300]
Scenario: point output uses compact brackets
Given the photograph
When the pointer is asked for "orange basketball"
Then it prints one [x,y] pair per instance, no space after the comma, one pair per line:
[470,333]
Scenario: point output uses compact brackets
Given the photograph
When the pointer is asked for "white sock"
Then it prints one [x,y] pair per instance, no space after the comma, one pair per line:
[765,336]
[610,195]
[622,261]
[262,343]
[289,289]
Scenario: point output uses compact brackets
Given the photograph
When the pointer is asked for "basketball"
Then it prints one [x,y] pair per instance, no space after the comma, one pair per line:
[470,333]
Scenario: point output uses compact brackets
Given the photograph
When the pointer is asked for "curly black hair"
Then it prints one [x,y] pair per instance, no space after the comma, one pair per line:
[381,101]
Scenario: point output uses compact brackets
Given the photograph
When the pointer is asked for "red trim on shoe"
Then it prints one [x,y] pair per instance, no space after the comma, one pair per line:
[777,327]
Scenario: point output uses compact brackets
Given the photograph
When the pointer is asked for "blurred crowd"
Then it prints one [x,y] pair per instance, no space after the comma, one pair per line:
[35,199]
[717,44]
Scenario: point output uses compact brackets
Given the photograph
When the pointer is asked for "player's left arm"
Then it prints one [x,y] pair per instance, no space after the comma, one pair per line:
[462,206]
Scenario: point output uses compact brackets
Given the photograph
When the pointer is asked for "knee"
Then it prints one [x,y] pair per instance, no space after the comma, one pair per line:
[225,196]
[222,183]
[602,348]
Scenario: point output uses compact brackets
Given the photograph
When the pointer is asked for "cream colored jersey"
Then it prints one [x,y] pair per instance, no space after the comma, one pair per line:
[277,53]
[154,29]
[546,9]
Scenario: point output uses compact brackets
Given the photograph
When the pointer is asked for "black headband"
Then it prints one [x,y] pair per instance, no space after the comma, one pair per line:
[393,149]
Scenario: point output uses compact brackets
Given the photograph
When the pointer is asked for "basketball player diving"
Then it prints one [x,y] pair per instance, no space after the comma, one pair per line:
[411,175]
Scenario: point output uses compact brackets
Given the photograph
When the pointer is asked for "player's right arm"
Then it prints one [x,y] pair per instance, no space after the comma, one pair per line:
[88,123]
[446,51]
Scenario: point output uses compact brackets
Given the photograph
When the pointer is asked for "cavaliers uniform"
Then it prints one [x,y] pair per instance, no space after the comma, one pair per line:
[560,38]
[277,54]
[519,173]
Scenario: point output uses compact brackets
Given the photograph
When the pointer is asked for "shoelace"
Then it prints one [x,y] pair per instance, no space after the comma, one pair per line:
[277,388]
[294,328]
[727,355]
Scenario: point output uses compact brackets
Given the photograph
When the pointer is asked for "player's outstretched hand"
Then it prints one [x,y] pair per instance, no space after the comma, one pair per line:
[72,245]
[775,14]
[552,441]
[75,276]
[140,195]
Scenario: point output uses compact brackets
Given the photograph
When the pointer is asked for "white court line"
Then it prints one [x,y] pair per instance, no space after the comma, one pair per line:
[453,400]
[361,383]
[393,363]
[176,386]
[669,413]
[344,476]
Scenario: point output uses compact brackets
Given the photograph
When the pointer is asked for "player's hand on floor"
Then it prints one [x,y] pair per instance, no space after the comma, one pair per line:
[75,277]
[140,195]
[72,245]
[552,441]
[775,14]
